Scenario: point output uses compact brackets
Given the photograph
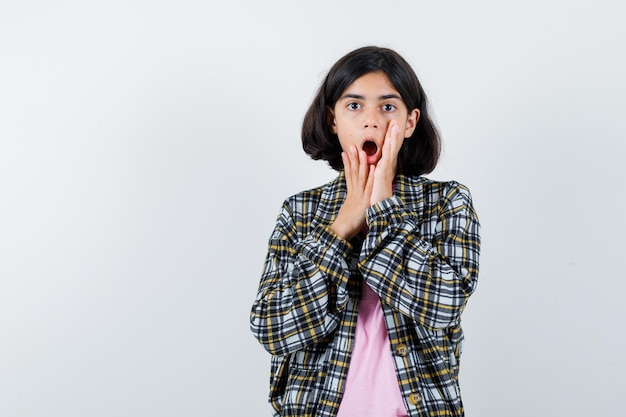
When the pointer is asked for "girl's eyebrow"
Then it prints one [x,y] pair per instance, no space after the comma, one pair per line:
[388,96]
[360,97]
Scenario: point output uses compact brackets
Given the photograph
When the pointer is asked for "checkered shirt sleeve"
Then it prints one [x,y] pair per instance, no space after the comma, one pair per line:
[426,275]
[303,285]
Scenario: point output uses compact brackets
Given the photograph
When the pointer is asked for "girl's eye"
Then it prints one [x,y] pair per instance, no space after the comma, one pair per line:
[388,107]
[354,106]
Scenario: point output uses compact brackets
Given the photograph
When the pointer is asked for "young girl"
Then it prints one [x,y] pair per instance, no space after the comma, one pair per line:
[366,277]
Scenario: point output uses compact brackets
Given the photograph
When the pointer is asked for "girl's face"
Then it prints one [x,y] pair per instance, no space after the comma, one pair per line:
[362,114]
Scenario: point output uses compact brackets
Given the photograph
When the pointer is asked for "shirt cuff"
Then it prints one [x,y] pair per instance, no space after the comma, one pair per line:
[384,213]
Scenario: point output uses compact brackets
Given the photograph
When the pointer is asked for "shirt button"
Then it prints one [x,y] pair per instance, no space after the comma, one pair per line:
[415,398]
[401,349]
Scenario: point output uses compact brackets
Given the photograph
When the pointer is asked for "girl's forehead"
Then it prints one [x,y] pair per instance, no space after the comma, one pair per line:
[371,81]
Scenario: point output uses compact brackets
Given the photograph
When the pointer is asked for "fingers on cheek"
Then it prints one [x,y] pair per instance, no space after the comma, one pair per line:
[396,131]
[393,133]
[363,157]
[354,157]
[346,161]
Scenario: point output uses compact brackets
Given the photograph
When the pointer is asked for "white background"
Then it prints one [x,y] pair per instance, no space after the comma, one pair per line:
[146,147]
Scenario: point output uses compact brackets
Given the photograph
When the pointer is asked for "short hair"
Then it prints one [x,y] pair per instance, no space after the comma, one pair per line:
[419,153]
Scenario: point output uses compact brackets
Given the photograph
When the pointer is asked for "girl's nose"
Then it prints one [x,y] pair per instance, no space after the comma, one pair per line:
[371,119]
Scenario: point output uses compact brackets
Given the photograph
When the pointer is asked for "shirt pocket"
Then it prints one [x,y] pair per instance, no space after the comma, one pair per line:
[304,386]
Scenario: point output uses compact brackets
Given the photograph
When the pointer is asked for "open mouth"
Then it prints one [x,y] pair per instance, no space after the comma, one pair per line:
[370,148]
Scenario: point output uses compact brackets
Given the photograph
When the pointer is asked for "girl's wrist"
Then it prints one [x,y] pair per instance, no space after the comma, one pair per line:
[342,230]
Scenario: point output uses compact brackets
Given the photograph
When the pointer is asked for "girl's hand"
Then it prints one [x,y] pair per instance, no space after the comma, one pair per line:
[385,171]
[359,183]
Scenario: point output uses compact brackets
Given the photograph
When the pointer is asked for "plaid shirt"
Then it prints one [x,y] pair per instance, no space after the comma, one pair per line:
[420,256]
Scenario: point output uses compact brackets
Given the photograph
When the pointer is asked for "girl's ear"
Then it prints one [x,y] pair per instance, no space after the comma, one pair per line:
[330,120]
[411,122]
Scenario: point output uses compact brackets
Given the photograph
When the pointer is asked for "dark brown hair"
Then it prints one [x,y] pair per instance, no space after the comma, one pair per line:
[419,153]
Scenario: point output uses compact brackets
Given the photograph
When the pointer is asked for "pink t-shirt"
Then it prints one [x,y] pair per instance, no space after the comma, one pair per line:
[371,386]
